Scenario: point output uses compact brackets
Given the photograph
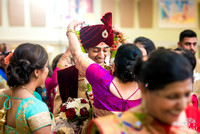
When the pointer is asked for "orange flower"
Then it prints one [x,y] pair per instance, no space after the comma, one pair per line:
[7,58]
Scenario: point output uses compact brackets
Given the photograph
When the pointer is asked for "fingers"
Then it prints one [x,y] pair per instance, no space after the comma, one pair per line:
[117,30]
[75,23]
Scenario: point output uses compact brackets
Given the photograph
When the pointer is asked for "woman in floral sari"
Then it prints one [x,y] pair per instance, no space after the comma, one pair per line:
[166,85]
[20,111]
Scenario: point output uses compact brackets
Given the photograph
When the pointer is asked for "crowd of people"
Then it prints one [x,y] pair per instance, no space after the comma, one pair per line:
[144,90]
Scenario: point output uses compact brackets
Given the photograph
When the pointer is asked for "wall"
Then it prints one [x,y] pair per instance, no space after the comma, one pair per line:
[55,36]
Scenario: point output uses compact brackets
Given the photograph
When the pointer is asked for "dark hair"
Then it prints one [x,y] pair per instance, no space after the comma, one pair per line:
[162,68]
[55,61]
[186,33]
[26,58]
[124,62]
[50,71]
[188,55]
[147,43]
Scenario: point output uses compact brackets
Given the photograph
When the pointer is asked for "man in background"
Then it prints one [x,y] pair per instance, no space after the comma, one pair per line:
[188,40]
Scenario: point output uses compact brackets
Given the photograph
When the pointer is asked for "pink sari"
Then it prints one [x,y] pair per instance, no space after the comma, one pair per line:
[51,84]
[104,101]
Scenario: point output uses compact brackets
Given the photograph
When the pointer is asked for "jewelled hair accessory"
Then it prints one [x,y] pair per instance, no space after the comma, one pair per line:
[146,85]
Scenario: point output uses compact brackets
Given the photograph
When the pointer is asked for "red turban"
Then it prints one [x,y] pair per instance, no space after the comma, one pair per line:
[93,35]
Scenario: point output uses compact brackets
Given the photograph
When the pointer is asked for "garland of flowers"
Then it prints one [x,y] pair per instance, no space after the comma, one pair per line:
[89,87]
[78,36]
[115,46]
[119,38]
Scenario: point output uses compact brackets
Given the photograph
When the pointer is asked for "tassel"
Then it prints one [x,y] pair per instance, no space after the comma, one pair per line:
[107,19]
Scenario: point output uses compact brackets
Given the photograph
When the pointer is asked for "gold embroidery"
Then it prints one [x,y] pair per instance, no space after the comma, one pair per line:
[82,83]
[21,123]
[82,86]
[2,119]
[38,120]
[9,130]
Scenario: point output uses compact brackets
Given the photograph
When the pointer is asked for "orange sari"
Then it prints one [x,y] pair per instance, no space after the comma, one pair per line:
[134,122]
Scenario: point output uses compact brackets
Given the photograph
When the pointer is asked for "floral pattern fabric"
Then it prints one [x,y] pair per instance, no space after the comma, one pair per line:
[134,122]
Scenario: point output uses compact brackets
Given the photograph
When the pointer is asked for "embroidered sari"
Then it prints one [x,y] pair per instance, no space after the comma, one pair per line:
[32,114]
[134,121]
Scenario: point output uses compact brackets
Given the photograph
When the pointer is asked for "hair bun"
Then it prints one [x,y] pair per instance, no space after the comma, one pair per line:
[25,64]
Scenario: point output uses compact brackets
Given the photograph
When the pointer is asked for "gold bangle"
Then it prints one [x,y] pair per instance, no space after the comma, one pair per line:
[122,39]
[70,30]
[60,66]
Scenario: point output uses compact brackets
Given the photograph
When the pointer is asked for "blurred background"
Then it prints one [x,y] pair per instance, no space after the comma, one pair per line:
[45,21]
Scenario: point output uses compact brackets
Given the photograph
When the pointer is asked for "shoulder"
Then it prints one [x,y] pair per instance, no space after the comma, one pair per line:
[35,111]
[37,95]
[116,123]
[95,68]
[37,115]
[95,73]
[33,106]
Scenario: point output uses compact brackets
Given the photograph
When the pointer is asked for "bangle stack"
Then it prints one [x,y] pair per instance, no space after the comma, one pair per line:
[122,38]
[60,66]
[70,31]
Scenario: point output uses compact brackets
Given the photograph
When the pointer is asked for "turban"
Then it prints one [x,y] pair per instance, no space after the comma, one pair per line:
[91,36]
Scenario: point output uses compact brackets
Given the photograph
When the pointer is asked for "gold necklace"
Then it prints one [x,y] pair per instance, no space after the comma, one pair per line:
[27,89]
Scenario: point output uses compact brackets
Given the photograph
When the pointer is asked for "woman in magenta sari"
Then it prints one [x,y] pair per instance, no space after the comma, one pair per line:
[113,93]
[61,61]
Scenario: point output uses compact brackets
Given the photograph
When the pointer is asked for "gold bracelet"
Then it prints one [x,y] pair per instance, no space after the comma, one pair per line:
[60,66]
[70,30]
[122,39]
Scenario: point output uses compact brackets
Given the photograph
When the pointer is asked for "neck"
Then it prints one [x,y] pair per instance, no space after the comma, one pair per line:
[125,83]
[29,88]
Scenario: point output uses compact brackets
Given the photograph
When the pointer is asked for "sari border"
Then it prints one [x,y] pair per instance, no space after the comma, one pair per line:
[39,120]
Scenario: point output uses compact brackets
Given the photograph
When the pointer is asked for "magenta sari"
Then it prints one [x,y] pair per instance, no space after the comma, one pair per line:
[51,84]
[104,101]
